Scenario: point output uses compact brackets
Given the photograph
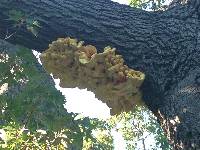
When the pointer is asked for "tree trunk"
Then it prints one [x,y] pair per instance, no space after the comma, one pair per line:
[163,45]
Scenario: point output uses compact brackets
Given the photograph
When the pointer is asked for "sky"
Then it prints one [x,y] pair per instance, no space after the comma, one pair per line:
[122,1]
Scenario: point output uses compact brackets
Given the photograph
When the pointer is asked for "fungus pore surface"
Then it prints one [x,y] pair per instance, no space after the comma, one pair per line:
[104,73]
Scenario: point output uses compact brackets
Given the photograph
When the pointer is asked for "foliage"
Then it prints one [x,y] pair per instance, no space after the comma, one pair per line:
[149,4]
[137,127]
[16,137]
[35,109]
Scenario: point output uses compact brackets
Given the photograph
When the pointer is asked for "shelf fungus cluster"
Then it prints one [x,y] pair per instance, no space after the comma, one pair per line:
[104,73]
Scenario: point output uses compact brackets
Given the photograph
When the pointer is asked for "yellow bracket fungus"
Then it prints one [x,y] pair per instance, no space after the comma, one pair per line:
[104,73]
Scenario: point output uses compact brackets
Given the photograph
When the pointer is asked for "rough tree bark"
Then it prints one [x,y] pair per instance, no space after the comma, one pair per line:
[163,45]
